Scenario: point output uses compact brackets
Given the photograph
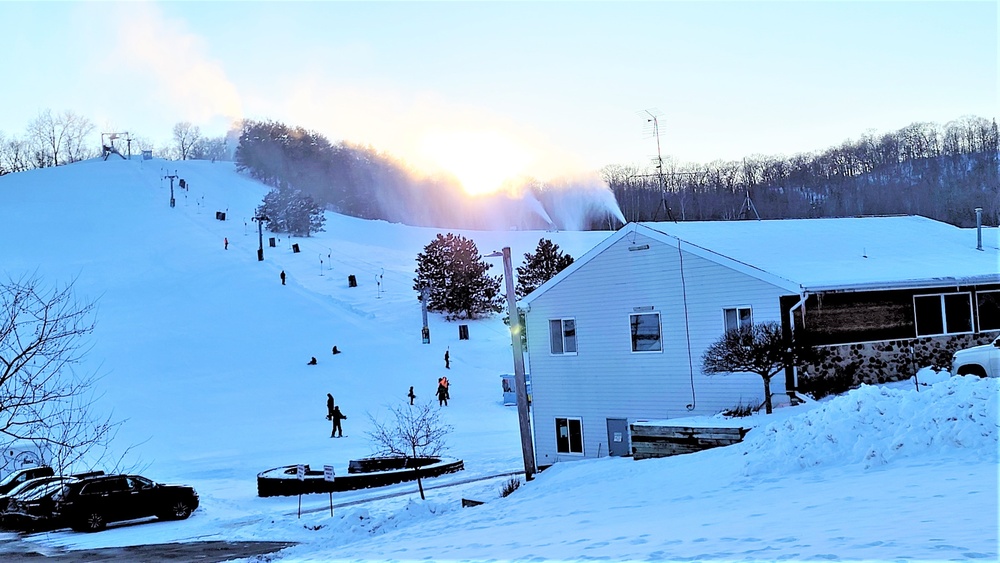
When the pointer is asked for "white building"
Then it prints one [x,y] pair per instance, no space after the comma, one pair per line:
[618,337]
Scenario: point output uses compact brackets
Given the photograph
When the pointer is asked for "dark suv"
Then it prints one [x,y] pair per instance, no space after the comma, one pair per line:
[89,504]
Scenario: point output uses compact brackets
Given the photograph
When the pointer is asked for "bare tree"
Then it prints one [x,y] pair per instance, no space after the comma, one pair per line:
[186,138]
[213,149]
[76,132]
[59,139]
[758,348]
[15,156]
[414,431]
[43,400]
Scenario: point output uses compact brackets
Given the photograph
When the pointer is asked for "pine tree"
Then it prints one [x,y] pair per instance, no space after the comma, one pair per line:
[540,267]
[456,278]
[291,212]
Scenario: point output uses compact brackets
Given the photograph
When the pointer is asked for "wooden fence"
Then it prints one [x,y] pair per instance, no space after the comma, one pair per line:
[649,440]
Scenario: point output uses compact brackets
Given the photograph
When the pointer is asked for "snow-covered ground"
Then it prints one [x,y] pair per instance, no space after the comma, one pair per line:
[203,352]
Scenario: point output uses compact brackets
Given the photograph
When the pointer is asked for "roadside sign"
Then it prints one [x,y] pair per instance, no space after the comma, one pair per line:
[328,475]
[300,472]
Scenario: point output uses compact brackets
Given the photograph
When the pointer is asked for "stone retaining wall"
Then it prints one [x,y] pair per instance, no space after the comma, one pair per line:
[846,366]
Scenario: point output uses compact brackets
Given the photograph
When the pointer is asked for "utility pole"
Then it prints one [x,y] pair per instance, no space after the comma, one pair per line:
[527,449]
[425,332]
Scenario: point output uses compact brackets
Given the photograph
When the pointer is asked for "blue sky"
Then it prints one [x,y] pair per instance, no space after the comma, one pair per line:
[500,89]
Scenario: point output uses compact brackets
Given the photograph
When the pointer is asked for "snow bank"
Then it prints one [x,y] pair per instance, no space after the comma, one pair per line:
[874,425]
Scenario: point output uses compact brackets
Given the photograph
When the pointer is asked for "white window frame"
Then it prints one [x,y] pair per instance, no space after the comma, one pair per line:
[979,319]
[569,436]
[563,338]
[944,315]
[659,327]
[737,309]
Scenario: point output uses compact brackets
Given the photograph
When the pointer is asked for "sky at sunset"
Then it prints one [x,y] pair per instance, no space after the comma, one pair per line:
[490,91]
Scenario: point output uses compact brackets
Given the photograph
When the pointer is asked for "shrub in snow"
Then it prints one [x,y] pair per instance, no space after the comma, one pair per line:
[757,348]
[509,487]
[741,411]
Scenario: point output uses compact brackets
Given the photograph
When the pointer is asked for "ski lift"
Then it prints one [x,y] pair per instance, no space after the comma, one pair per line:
[108,145]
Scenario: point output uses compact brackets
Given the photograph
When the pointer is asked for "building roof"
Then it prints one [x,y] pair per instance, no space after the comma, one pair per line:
[813,255]
[852,252]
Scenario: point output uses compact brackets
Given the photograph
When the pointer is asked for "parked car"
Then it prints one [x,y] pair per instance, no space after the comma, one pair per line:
[90,504]
[28,486]
[22,475]
[983,361]
[34,510]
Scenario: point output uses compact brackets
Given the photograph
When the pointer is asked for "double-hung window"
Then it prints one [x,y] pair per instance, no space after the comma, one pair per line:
[562,336]
[569,435]
[737,317]
[945,313]
[646,336]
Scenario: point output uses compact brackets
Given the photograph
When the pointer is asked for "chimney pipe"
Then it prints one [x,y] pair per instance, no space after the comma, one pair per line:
[979,228]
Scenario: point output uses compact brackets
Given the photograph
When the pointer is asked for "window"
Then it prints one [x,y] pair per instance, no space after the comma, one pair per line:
[737,317]
[569,435]
[646,332]
[948,313]
[562,336]
[989,310]
[105,486]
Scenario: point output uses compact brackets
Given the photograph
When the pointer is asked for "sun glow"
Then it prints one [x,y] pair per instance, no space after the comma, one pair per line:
[481,160]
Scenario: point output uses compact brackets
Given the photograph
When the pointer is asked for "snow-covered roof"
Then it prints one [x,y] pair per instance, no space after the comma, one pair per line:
[848,253]
[812,255]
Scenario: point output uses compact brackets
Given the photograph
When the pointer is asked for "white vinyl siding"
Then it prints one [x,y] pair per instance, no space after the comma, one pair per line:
[605,378]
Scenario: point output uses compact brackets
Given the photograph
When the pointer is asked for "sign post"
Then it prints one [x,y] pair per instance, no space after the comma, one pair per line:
[300,474]
[329,476]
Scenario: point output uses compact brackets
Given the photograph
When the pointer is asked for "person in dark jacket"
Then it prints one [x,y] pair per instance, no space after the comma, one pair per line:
[411,395]
[329,406]
[447,359]
[442,394]
[337,417]
[282,277]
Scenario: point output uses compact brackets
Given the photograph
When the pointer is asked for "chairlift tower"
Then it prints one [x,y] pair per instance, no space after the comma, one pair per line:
[172,177]
[108,144]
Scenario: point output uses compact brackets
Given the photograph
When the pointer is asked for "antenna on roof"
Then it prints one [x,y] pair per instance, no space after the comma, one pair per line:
[747,207]
[659,169]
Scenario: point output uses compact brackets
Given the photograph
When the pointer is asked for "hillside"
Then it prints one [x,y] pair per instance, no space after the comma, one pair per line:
[203,353]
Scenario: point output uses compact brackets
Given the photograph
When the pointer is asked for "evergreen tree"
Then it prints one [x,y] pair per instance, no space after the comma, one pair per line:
[454,274]
[291,212]
[540,267]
